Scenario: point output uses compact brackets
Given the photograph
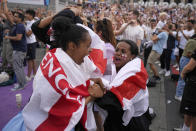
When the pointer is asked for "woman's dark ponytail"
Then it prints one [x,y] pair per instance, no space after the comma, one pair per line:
[64,31]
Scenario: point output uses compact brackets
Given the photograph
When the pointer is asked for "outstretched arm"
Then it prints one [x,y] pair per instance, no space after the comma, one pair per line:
[45,22]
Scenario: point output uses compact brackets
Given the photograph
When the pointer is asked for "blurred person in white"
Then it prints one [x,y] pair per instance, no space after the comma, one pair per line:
[162,20]
[105,31]
[184,34]
[149,30]
[132,30]
[167,50]
[117,23]
[31,43]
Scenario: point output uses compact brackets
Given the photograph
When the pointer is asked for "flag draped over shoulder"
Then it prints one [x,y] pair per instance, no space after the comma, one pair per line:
[129,86]
[58,100]
[97,55]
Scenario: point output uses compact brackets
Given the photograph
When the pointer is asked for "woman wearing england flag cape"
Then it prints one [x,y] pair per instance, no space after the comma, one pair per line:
[43,31]
[126,100]
[62,87]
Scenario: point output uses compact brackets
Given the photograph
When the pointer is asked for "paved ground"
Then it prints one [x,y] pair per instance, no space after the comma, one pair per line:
[157,102]
[166,107]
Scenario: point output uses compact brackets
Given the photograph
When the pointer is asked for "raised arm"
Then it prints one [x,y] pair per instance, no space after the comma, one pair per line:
[9,16]
[46,21]
[121,30]
[2,12]
[1,9]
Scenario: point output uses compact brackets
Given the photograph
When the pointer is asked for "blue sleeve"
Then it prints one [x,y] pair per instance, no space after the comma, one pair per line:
[20,29]
[161,35]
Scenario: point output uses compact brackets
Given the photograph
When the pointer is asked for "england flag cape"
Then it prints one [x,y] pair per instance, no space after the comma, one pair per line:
[129,86]
[59,90]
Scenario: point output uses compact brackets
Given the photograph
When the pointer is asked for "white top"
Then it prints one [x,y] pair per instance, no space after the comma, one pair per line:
[133,33]
[160,25]
[31,39]
[183,40]
[109,55]
[148,31]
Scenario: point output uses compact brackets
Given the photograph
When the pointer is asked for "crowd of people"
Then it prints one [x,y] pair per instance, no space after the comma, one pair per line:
[93,76]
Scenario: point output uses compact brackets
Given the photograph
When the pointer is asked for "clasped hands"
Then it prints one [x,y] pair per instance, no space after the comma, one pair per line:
[97,89]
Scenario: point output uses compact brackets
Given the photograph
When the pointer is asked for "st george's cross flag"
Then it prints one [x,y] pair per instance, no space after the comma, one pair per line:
[129,86]
[58,100]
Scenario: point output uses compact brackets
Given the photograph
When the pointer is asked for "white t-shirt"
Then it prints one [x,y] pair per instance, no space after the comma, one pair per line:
[133,33]
[30,39]
[183,40]
[148,31]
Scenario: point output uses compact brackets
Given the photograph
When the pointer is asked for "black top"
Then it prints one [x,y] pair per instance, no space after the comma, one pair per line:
[41,33]
[111,104]
[192,74]
[114,122]
[170,42]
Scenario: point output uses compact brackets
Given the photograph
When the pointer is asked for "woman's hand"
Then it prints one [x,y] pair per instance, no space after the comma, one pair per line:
[95,91]
[100,83]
